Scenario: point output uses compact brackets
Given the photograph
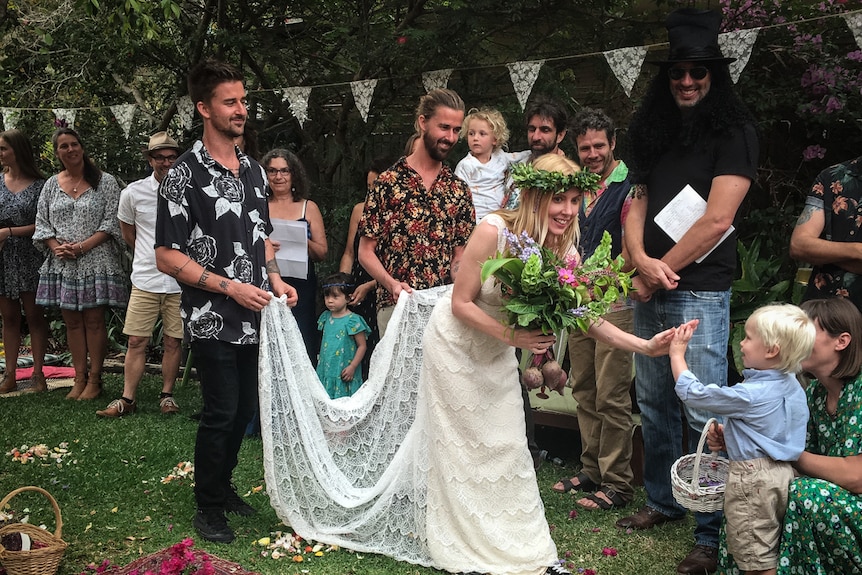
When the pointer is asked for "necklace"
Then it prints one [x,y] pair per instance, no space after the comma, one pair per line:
[75,187]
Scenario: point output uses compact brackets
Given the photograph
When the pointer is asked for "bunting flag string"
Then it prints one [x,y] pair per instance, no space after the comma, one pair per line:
[626,65]
[854,22]
[738,44]
[185,112]
[124,114]
[523,75]
[363,90]
[10,118]
[436,79]
[66,115]
[297,98]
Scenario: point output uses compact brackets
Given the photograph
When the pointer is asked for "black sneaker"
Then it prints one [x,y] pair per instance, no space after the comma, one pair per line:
[235,504]
[212,526]
[557,570]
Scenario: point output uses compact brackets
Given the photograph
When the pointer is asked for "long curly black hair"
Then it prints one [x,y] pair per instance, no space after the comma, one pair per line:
[659,123]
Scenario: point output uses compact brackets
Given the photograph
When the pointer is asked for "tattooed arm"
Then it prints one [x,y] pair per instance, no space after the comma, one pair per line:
[187,271]
[653,274]
[807,246]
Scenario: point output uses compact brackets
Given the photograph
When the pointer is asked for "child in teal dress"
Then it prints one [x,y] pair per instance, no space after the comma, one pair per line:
[339,366]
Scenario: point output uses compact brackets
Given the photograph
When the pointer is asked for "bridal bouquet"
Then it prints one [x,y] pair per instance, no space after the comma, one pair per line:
[541,291]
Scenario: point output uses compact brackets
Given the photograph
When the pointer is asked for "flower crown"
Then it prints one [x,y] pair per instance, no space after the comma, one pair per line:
[526,176]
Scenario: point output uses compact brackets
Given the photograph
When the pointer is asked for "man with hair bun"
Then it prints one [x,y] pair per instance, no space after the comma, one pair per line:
[418,215]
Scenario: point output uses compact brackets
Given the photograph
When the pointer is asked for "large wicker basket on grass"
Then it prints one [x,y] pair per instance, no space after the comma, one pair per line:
[42,561]
[698,479]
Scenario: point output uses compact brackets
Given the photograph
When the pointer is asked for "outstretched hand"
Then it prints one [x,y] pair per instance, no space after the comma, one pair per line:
[660,343]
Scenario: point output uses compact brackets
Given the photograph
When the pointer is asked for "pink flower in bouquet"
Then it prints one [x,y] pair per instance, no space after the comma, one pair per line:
[567,276]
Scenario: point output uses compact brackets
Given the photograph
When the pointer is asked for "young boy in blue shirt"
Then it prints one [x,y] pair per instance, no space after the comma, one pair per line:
[766,416]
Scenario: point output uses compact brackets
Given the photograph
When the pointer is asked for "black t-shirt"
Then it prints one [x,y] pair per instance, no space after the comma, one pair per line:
[734,154]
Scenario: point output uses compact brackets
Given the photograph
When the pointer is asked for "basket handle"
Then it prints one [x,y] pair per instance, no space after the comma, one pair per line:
[58,518]
[695,480]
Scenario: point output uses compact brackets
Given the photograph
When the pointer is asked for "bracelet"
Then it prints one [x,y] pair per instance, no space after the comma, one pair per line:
[81,248]
[10,231]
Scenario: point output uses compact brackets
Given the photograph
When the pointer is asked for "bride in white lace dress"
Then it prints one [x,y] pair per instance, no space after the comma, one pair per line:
[455,487]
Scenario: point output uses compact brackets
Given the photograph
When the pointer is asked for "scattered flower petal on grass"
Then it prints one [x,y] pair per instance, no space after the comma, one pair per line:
[573,514]
[25,454]
[609,552]
[182,470]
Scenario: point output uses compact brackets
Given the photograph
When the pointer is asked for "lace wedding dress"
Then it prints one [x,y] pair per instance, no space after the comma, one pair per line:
[427,462]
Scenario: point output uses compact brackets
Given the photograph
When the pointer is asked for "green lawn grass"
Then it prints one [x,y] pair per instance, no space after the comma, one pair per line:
[115,507]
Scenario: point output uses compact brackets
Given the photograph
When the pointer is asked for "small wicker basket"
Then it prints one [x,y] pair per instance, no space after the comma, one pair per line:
[44,560]
[698,479]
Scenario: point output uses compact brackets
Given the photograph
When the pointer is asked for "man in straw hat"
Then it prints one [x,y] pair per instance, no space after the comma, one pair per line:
[153,293]
[694,151]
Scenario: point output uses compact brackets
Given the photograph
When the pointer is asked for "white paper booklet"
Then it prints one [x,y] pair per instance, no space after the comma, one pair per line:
[680,214]
[292,255]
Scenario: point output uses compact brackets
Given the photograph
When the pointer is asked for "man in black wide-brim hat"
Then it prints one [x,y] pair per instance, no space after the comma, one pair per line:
[692,137]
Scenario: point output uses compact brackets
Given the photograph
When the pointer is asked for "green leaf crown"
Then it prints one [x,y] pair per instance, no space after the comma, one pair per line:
[526,176]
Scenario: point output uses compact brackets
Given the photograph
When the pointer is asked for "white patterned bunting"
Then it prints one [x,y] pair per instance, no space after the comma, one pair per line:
[523,75]
[67,115]
[10,118]
[626,65]
[124,114]
[854,22]
[738,44]
[436,79]
[363,90]
[185,112]
[297,97]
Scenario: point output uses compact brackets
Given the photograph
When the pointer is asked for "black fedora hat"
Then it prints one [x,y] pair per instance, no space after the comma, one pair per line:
[693,37]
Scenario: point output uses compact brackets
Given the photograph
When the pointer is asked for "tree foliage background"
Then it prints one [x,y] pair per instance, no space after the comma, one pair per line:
[803,80]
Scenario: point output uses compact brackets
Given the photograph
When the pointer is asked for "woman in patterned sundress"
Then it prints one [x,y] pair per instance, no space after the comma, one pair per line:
[78,231]
[20,184]
[823,523]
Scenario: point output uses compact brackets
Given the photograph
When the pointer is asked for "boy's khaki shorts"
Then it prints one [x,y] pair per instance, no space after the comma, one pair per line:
[755,501]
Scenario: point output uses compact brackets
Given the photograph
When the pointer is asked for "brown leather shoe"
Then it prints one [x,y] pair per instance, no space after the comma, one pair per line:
[645,518]
[701,560]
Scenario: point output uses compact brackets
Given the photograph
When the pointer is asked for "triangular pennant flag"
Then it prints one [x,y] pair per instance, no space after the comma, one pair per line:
[297,97]
[66,115]
[185,112]
[854,22]
[124,114]
[523,75]
[363,90]
[10,118]
[626,65]
[737,44]
[436,79]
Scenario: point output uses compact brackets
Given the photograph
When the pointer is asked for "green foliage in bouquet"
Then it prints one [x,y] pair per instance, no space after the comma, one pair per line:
[543,292]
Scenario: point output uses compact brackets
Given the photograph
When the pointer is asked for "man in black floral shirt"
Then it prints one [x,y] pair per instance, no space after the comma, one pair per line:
[828,233]
[418,215]
[212,235]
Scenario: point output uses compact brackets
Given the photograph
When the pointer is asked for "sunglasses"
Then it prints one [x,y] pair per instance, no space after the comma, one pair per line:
[696,73]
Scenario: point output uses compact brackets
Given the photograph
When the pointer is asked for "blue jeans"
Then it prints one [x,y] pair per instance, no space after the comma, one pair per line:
[228,375]
[660,408]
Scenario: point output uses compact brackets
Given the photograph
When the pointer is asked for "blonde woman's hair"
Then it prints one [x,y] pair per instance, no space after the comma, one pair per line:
[494,119]
[531,216]
[788,328]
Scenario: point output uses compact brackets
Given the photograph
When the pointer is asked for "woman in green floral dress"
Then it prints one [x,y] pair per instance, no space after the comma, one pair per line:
[823,523]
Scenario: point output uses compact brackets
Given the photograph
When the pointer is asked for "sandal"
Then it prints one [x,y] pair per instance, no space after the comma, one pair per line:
[584,484]
[617,501]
